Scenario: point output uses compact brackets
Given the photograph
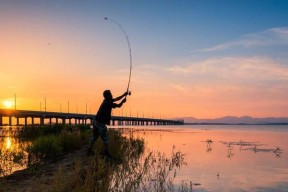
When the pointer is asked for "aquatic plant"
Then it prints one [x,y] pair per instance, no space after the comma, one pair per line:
[208,145]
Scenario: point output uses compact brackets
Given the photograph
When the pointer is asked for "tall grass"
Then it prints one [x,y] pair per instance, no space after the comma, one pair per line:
[52,146]
[35,131]
[132,168]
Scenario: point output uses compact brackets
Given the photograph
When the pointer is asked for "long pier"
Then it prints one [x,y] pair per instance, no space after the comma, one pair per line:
[30,118]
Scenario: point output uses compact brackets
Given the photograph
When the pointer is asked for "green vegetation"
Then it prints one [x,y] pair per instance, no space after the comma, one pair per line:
[56,142]
[33,131]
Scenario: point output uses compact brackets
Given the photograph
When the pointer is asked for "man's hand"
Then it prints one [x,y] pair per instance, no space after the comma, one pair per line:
[127,93]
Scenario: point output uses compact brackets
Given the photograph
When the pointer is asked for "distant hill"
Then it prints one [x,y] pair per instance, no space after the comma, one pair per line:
[237,120]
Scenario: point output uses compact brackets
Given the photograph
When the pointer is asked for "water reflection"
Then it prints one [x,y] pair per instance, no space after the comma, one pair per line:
[13,156]
[255,147]
[230,153]
[227,159]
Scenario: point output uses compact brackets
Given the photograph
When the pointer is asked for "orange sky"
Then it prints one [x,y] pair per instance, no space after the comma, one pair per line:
[70,53]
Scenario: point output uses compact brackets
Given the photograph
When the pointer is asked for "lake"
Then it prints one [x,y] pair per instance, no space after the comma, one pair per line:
[225,157]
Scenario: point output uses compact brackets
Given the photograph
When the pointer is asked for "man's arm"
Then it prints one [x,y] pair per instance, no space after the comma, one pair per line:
[119,104]
[120,97]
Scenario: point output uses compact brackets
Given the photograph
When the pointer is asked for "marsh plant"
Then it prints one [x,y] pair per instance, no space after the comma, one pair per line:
[132,168]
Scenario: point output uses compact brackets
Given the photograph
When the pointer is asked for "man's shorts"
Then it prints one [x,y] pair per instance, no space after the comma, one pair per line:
[100,129]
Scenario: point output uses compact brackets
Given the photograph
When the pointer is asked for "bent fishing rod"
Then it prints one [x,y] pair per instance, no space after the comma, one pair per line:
[129,49]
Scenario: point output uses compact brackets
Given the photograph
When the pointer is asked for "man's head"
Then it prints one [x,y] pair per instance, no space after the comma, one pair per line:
[107,94]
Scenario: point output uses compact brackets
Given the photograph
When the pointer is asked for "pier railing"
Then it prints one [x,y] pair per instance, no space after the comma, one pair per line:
[27,117]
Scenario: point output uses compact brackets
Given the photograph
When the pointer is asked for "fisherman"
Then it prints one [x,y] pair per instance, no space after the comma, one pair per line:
[103,118]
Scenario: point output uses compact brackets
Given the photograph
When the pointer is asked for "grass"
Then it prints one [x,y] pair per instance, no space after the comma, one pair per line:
[132,168]
[34,131]
[52,145]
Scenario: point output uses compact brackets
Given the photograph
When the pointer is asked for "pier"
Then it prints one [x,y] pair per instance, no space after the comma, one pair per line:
[30,117]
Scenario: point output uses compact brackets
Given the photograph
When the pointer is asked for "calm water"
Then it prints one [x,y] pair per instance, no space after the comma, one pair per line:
[226,158]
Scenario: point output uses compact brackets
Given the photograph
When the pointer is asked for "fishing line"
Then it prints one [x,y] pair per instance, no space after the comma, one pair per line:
[129,48]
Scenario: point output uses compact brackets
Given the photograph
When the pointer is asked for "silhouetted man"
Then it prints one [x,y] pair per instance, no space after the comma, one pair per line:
[103,118]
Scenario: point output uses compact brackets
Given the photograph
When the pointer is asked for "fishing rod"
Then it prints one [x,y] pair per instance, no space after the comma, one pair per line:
[129,48]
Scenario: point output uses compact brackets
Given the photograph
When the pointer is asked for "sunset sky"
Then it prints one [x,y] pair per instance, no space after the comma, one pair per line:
[204,59]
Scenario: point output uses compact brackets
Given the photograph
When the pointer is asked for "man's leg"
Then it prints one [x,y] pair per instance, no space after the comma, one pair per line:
[104,136]
[92,141]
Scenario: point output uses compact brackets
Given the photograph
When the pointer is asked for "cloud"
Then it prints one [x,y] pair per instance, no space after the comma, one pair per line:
[235,69]
[178,87]
[270,37]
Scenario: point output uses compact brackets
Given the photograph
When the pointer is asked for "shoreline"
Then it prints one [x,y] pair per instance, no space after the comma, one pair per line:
[42,176]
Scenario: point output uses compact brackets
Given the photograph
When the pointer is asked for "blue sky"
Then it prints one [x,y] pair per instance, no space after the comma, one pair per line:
[207,58]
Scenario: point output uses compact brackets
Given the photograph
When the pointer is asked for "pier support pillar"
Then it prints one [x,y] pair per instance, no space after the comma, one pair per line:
[1,120]
[17,120]
[41,120]
[10,120]
[25,119]
[32,120]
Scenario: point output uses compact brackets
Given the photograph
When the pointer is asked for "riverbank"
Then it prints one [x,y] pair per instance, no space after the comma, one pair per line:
[42,177]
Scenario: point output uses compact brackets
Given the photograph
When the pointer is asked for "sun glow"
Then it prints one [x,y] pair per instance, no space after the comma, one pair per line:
[8,143]
[8,104]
